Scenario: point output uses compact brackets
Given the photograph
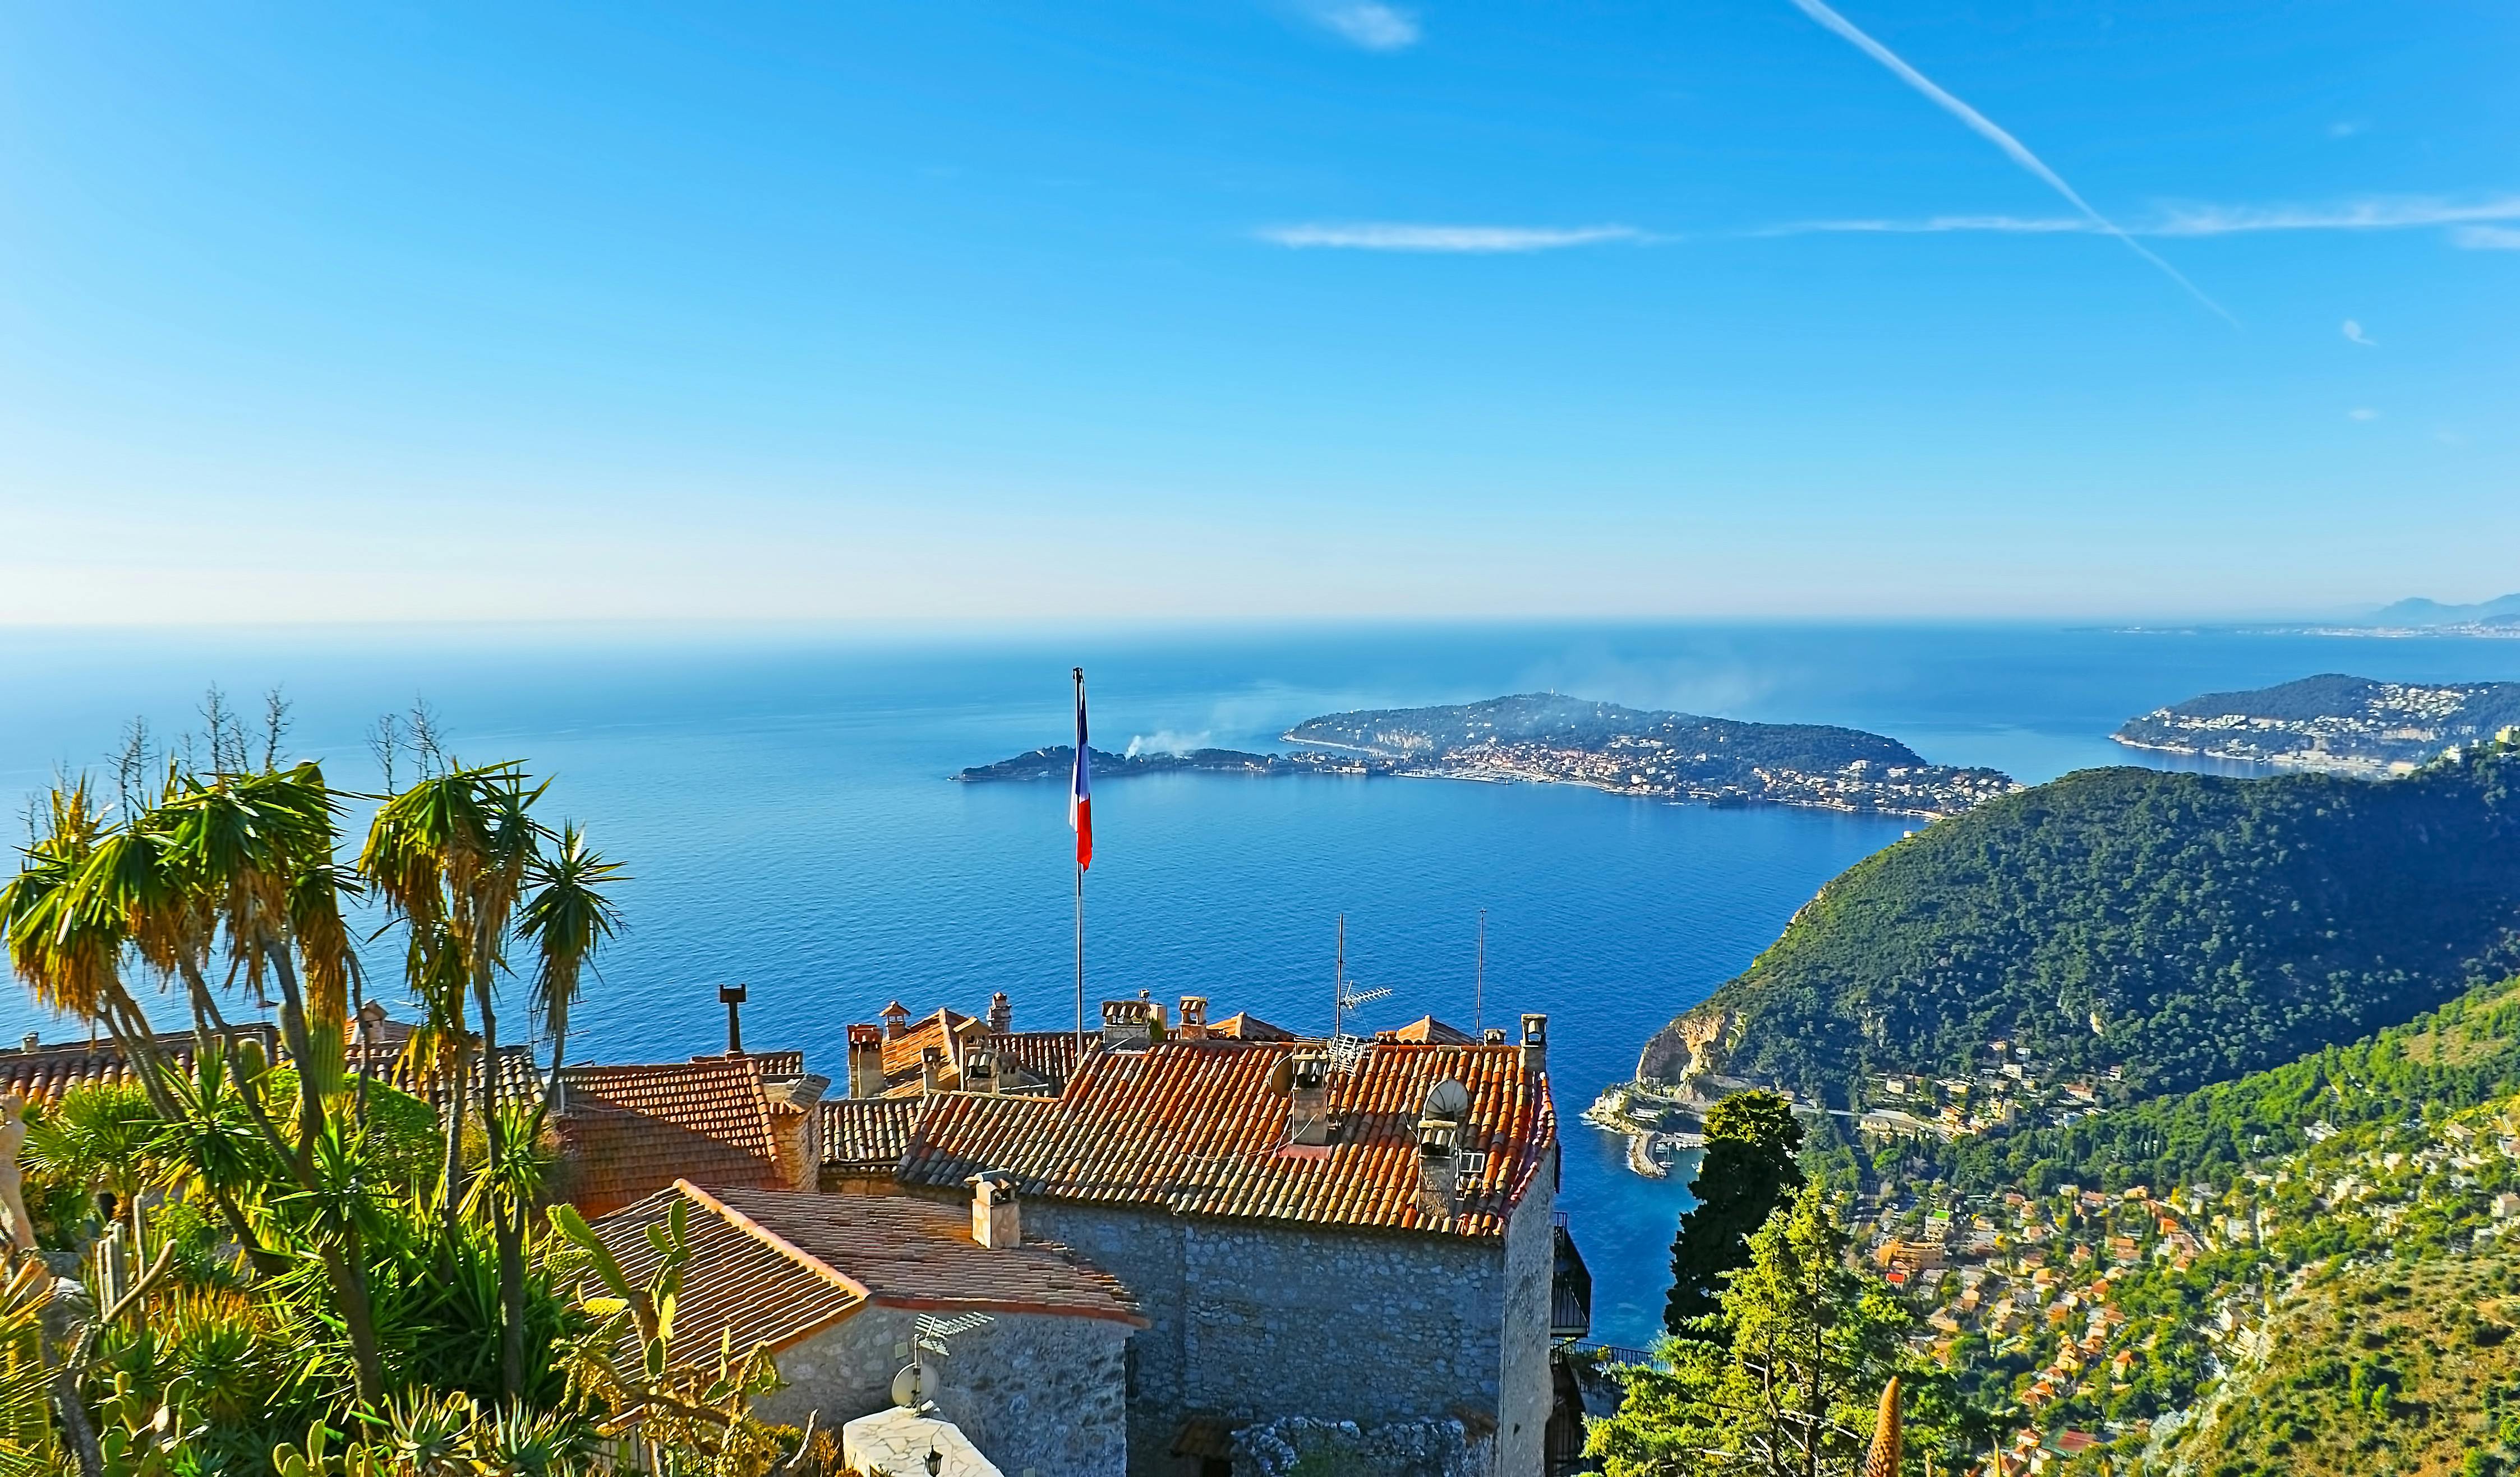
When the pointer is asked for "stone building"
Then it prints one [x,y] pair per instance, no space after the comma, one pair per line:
[1363,1235]
[1033,1338]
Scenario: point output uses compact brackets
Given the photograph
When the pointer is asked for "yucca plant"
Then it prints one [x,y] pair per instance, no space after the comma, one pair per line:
[26,1443]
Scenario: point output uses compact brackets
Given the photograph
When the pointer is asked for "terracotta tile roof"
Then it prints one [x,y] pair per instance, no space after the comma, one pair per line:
[521,1079]
[767,1063]
[50,1070]
[630,1131]
[1427,1030]
[43,1074]
[903,1053]
[910,1251]
[1048,1055]
[1200,1128]
[1242,1025]
[868,1133]
[741,1279]
[776,1267]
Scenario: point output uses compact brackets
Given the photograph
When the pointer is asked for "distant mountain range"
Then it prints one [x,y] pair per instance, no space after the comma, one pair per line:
[2432,613]
[1552,738]
[2331,722]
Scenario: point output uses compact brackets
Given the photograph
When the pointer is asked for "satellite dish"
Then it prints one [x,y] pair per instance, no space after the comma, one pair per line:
[913,1387]
[1448,1100]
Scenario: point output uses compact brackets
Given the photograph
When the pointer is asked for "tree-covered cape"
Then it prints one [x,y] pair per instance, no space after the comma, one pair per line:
[2181,928]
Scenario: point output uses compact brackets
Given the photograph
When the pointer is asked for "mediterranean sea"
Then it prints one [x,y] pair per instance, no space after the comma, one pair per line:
[779,798]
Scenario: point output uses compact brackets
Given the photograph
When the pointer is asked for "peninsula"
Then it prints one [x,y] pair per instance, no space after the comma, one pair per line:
[1546,737]
[2332,722]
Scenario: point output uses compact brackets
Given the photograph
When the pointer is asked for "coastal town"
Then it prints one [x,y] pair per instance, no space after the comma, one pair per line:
[1553,739]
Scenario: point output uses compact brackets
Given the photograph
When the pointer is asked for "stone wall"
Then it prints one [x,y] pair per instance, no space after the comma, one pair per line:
[1253,1322]
[1036,1394]
[1529,1389]
[1408,1449]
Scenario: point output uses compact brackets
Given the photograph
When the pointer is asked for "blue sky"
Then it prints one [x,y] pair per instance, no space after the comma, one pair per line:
[1287,307]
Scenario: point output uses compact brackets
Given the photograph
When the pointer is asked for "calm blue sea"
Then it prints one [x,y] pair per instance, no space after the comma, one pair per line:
[779,796]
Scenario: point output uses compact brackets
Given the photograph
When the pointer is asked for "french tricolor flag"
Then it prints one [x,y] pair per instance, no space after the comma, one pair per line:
[1080,796]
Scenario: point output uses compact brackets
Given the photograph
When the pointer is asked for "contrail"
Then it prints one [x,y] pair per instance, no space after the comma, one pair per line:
[1985,128]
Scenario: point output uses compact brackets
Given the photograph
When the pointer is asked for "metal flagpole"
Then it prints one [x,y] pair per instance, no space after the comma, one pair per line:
[1080,957]
[1079,674]
[1479,997]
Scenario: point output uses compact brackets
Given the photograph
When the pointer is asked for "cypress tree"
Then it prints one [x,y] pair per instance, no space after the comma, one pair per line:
[1748,1171]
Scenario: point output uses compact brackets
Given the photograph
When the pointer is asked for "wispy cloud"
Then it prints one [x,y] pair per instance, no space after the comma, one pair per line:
[2345,128]
[2361,413]
[2381,213]
[1388,236]
[2026,225]
[1985,127]
[2354,335]
[2185,219]
[1368,23]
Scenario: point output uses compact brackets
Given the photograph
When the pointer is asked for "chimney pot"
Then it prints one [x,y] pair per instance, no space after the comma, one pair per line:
[1126,1024]
[979,1071]
[1002,1013]
[1193,1017]
[732,997]
[1535,1042]
[33,1039]
[932,1069]
[1308,1098]
[996,1222]
[865,1062]
[1438,1181]
[1495,1036]
[896,1020]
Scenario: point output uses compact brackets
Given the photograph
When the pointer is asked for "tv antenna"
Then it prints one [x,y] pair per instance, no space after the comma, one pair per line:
[1345,1049]
[1479,978]
[915,1386]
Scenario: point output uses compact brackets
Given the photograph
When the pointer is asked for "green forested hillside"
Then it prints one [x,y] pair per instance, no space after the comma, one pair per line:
[2180,928]
[2465,1054]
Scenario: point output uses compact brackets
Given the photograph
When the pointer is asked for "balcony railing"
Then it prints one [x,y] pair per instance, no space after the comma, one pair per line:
[1570,1290]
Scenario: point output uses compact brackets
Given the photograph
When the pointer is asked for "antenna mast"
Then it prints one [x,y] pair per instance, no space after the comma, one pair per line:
[1338,981]
[1479,990]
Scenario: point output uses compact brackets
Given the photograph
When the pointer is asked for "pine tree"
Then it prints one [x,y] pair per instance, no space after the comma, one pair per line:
[1791,1391]
[1747,1172]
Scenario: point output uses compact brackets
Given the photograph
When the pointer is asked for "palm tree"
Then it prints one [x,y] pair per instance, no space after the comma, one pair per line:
[255,852]
[567,919]
[451,857]
[70,954]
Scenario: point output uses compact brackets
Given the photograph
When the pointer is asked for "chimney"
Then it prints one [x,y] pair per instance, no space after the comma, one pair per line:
[1126,1025]
[896,1021]
[1193,1017]
[995,1221]
[931,1070]
[1159,1028]
[34,1039]
[979,1070]
[732,997]
[1535,1043]
[1002,1013]
[1438,1179]
[1308,1098]
[796,1128]
[865,1062]
[1495,1036]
